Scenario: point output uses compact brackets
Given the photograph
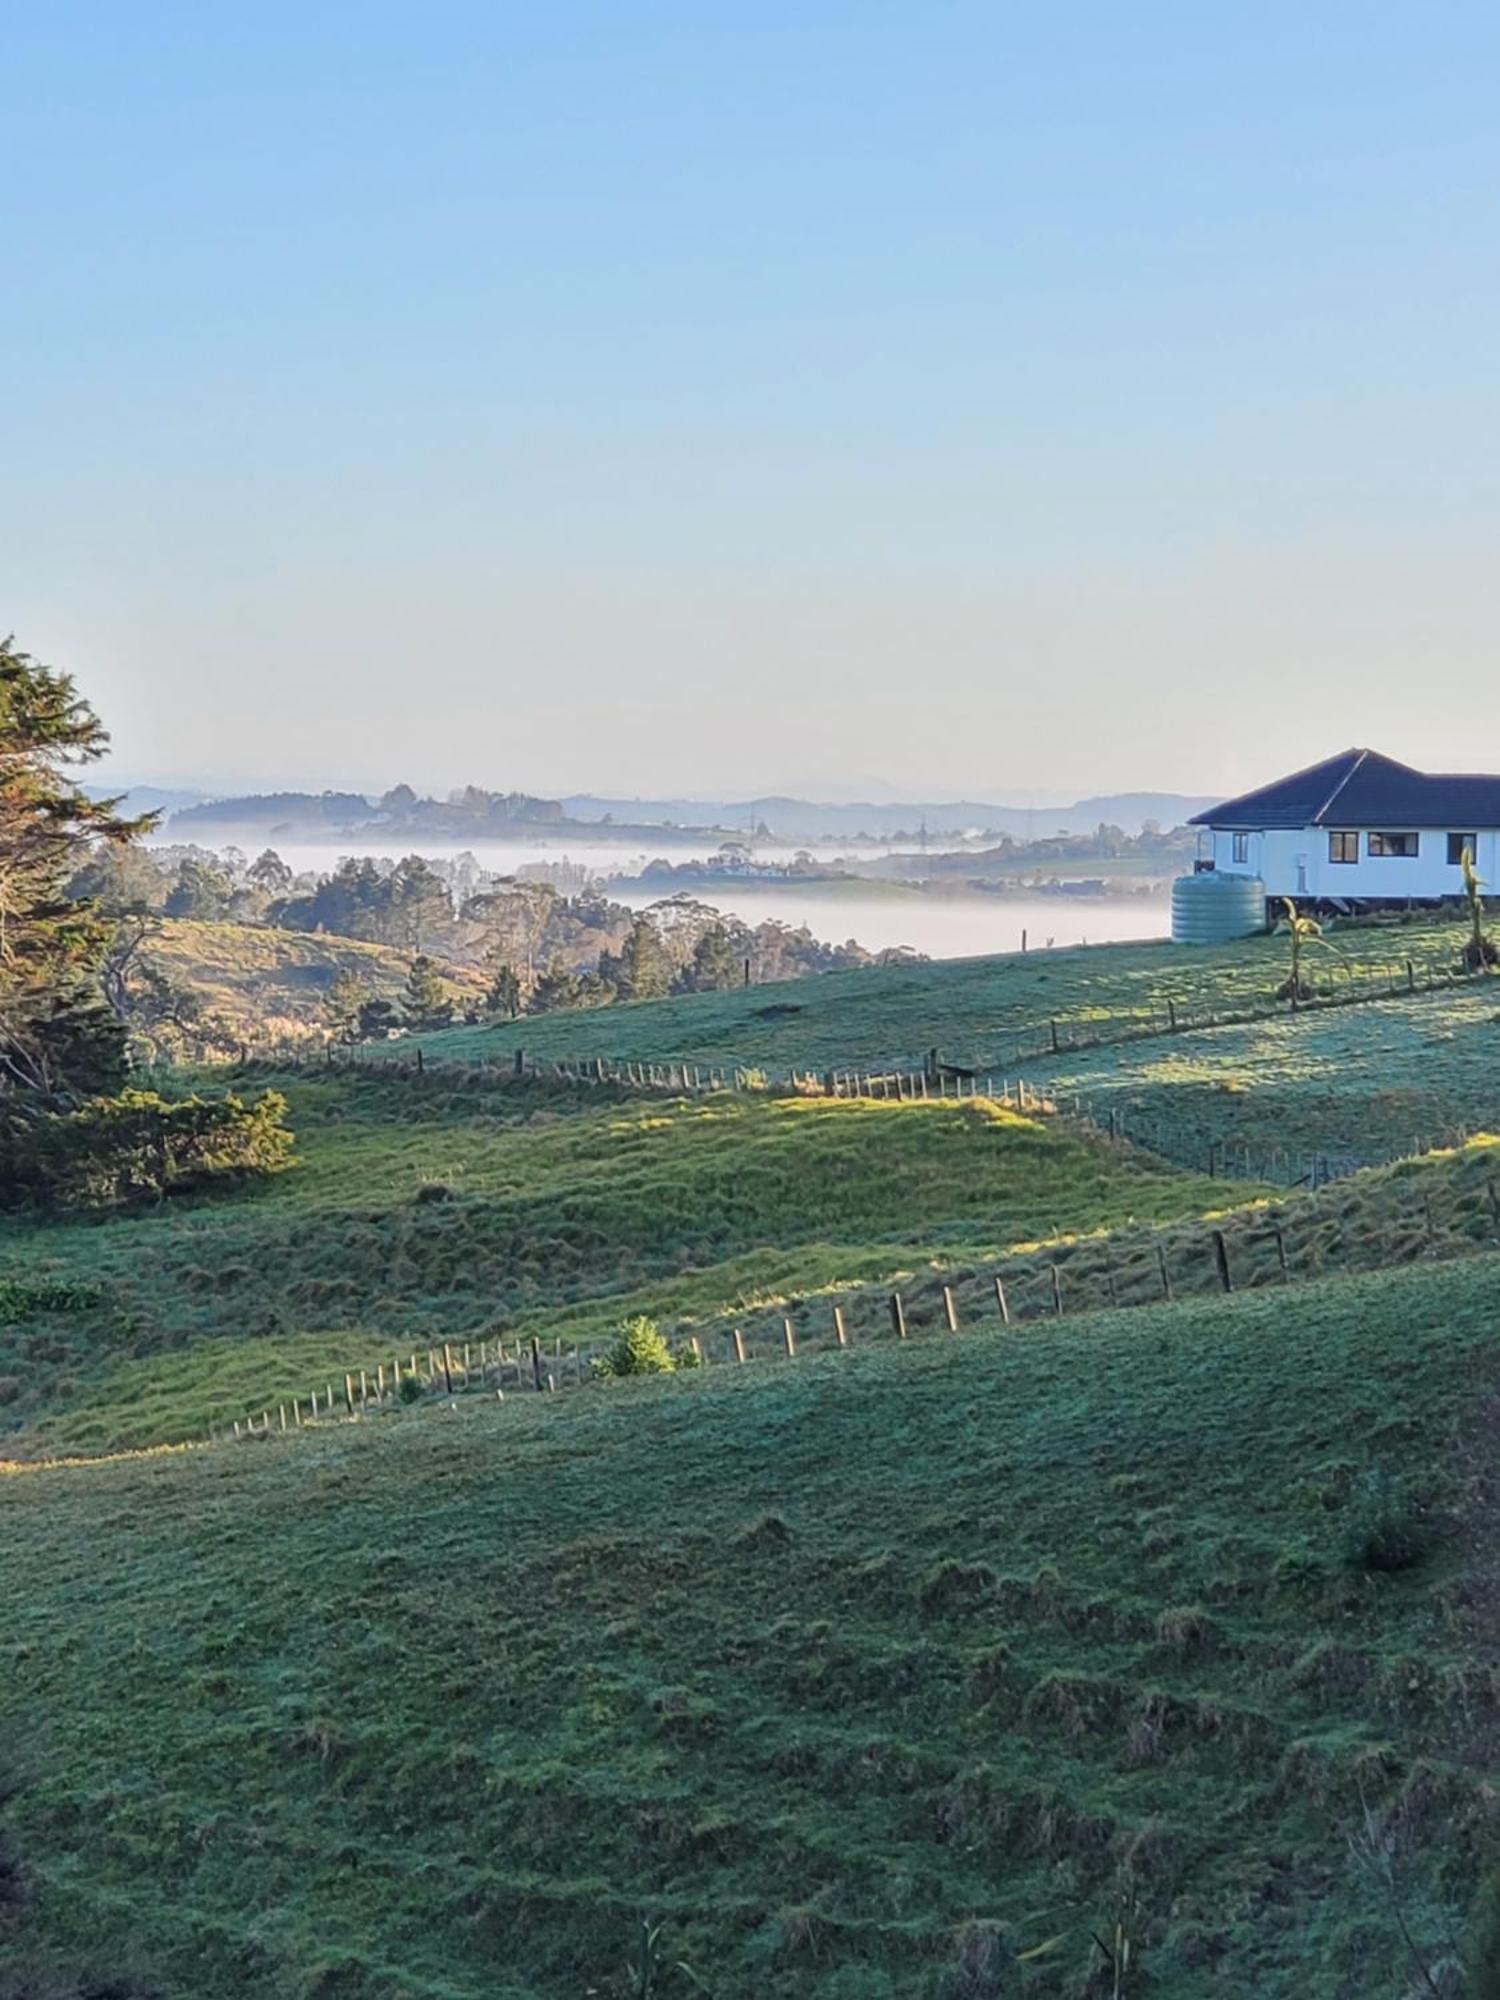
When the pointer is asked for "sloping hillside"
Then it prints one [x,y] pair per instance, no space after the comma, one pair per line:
[972,1010]
[910,1673]
[270,984]
[426,1212]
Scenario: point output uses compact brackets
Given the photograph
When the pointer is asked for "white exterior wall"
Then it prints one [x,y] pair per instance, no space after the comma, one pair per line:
[1294,862]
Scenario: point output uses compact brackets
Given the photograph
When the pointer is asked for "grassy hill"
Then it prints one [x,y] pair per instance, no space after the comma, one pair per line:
[1366,1081]
[270,984]
[885,1674]
[933,1668]
[972,1010]
[564,1208]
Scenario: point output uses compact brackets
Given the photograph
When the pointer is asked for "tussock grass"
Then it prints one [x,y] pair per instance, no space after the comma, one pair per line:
[865,1676]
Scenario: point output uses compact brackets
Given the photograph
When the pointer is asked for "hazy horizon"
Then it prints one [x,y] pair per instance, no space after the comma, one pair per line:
[659,400]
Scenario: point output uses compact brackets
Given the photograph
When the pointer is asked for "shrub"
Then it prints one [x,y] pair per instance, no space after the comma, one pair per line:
[640,1350]
[19,1297]
[1387,1530]
[140,1146]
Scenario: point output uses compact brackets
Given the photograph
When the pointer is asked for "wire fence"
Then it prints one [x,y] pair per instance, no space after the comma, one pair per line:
[1423,1219]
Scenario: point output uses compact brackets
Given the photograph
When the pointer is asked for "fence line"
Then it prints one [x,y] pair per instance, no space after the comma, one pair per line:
[1058,1281]
[1038,1044]
[1219,1158]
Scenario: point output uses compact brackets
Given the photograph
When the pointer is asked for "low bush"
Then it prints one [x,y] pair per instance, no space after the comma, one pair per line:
[1387,1531]
[140,1146]
[640,1350]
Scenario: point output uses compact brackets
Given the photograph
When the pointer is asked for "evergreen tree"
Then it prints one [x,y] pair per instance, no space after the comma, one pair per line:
[56,1032]
[270,874]
[426,1003]
[643,962]
[202,891]
[342,1003]
[504,996]
[714,966]
[376,1020]
[119,881]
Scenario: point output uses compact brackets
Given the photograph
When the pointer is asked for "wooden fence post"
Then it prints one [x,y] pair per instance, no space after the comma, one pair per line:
[1056,1291]
[739,1344]
[1280,1235]
[950,1308]
[536,1362]
[1221,1258]
[898,1316]
[1161,1265]
[1001,1301]
[840,1331]
[447,1369]
[789,1337]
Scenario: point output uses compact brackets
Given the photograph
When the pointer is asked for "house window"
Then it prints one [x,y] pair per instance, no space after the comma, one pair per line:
[1343,847]
[1241,847]
[1458,843]
[1393,846]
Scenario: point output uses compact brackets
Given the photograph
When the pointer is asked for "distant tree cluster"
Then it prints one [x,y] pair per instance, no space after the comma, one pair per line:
[465,814]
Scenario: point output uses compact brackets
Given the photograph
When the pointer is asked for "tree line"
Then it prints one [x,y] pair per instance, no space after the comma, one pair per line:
[541,946]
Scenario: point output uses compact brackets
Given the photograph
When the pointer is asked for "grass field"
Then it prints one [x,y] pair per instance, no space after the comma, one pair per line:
[971,1010]
[1368,1081]
[566,1207]
[910,1672]
[886,1674]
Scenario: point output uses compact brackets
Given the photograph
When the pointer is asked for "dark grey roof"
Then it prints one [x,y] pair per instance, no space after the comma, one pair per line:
[1360,788]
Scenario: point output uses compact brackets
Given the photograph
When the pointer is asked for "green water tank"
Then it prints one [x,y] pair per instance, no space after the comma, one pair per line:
[1211,908]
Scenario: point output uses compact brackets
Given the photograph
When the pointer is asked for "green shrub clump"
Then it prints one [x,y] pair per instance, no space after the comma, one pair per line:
[140,1146]
[640,1350]
[1387,1529]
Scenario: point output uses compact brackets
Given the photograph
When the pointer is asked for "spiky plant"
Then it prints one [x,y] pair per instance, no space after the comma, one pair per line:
[1480,952]
[1301,933]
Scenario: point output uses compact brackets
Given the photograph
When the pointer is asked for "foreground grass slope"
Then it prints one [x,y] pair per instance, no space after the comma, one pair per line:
[564,1208]
[972,1010]
[884,1674]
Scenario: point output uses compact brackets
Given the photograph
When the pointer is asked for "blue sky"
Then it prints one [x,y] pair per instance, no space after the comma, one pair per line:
[982,399]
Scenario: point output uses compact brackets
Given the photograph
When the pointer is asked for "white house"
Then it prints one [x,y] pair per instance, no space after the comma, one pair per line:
[1357,829]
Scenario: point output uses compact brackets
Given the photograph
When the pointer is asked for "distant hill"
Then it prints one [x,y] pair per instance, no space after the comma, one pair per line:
[137,799]
[476,814]
[806,819]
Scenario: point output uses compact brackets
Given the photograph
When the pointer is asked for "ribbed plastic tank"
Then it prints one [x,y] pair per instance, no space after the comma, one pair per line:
[1211,908]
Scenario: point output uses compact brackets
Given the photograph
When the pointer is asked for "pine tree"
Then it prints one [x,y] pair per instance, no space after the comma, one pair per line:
[714,966]
[426,1003]
[504,996]
[342,1002]
[57,1035]
[643,962]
